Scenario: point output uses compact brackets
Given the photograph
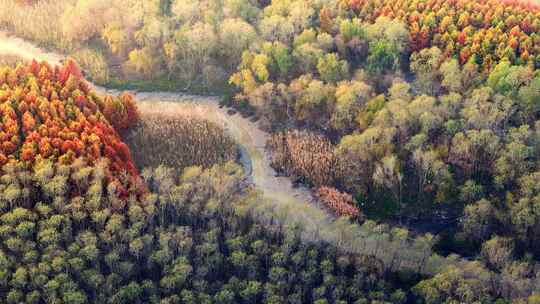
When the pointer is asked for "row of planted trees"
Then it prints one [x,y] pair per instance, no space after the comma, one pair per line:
[50,112]
[66,236]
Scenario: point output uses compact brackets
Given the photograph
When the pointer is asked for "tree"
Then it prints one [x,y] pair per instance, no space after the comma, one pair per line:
[498,251]
[387,40]
[432,174]
[400,90]
[331,69]
[393,32]
[177,275]
[243,9]
[250,293]
[475,151]
[514,160]
[187,11]
[314,103]
[359,153]
[307,55]
[198,43]
[508,79]
[82,21]
[452,79]
[260,67]
[350,29]
[469,283]
[388,175]
[350,97]
[382,57]
[524,217]
[225,296]
[425,64]
[235,37]
[118,39]
[143,62]
[480,220]
[277,28]
[528,97]
[282,60]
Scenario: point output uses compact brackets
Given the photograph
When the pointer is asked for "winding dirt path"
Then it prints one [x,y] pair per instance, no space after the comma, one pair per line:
[10,45]
[277,190]
[279,200]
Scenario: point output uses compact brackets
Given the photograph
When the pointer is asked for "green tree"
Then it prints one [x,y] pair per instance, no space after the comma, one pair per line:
[331,69]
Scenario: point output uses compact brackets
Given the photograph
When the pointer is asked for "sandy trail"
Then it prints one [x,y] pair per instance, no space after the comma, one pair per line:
[277,190]
[244,131]
[10,45]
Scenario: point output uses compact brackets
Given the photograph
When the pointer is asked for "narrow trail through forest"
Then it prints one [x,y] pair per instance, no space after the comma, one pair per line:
[289,205]
[277,190]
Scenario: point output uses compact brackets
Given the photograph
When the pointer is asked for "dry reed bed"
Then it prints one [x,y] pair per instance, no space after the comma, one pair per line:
[308,157]
[179,140]
[37,22]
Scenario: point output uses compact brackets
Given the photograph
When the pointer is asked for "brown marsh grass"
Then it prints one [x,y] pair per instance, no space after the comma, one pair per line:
[38,22]
[306,156]
[179,141]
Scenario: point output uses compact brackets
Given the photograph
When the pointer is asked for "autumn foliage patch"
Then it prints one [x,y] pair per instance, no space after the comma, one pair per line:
[50,113]
[483,30]
[308,156]
[342,204]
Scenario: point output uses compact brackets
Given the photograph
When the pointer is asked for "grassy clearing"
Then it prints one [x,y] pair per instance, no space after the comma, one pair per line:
[163,84]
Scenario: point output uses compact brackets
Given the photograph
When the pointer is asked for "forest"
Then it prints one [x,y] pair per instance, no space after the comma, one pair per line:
[270,151]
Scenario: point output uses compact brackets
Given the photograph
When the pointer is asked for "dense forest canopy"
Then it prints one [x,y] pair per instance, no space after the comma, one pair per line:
[78,226]
[422,115]
[50,112]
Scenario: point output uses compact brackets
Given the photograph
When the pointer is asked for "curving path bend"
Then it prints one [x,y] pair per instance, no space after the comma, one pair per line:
[276,191]
[279,201]
[289,205]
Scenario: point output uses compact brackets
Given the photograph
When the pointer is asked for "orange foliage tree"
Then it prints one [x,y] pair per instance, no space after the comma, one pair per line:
[51,113]
[486,31]
[342,204]
[121,111]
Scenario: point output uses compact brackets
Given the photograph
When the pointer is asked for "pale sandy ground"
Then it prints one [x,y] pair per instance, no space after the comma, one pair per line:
[13,45]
